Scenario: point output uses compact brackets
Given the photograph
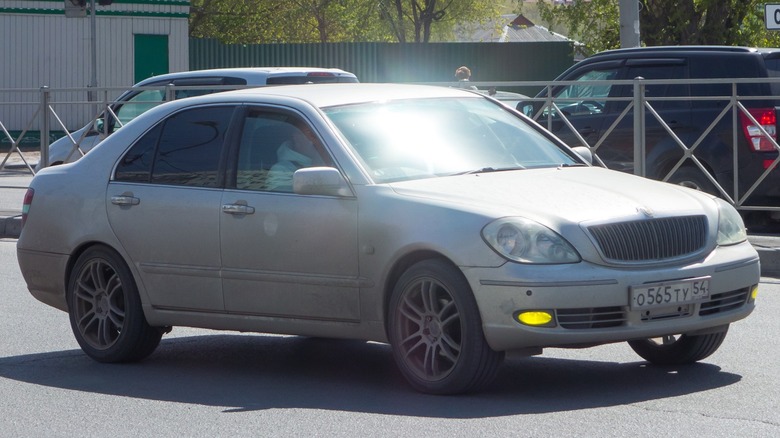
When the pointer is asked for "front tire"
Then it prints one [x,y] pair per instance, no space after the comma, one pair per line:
[105,309]
[435,331]
[678,349]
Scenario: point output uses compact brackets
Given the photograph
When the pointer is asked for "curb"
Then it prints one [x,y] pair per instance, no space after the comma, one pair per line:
[768,252]
[770,262]
[11,227]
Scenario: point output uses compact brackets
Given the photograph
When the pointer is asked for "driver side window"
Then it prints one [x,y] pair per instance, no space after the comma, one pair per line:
[272,147]
[586,97]
[138,104]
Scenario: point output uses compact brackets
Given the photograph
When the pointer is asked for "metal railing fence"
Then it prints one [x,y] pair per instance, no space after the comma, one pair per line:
[63,111]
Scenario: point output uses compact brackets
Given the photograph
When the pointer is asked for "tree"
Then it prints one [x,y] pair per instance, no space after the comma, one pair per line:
[415,19]
[303,21]
[708,22]
[290,21]
[596,23]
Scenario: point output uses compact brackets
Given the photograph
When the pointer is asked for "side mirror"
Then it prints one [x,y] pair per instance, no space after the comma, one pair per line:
[325,181]
[525,107]
[529,108]
[585,153]
[98,125]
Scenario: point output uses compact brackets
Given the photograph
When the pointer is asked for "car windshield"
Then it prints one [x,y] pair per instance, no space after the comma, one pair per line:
[422,138]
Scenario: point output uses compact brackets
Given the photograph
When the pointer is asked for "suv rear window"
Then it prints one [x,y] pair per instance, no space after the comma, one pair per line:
[773,69]
[311,78]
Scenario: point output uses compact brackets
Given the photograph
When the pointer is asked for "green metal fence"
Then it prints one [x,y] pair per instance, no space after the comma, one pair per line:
[391,62]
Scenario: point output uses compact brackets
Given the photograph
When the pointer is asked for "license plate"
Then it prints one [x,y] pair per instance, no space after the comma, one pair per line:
[666,294]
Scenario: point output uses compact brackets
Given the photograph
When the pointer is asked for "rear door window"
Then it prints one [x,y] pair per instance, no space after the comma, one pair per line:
[655,69]
[186,149]
[189,87]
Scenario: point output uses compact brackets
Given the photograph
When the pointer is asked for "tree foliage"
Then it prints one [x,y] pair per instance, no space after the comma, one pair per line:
[596,23]
[414,19]
[289,21]
[305,21]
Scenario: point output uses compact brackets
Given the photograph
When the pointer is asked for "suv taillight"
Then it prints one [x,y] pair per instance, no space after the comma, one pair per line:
[28,197]
[767,118]
[320,74]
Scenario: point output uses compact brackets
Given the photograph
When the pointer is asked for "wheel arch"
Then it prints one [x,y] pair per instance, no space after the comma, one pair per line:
[81,249]
[665,155]
[399,267]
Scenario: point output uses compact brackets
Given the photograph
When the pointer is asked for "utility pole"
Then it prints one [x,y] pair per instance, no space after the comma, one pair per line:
[93,46]
[629,23]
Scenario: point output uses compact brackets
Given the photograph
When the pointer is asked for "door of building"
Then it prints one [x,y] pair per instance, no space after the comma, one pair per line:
[150,56]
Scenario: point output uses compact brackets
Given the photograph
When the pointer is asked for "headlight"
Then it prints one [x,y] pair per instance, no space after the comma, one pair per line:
[731,228]
[525,241]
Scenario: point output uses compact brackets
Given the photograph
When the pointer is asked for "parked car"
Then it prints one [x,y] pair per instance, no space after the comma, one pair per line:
[150,93]
[431,218]
[508,98]
[591,112]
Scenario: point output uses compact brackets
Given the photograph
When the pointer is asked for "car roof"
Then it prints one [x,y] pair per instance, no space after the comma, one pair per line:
[327,95]
[640,51]
[253,75]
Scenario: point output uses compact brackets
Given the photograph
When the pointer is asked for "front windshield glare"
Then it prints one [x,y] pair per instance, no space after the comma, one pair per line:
[422,138]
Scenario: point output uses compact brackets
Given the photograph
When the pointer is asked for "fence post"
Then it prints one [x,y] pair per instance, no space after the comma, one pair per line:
[549,107]
[45,96]
[639,126]
[106,114]
[735,142]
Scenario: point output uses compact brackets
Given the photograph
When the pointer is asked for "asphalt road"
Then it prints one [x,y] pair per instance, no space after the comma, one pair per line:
[202,383]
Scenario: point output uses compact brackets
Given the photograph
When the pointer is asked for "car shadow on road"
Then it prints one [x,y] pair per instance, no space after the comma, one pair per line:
[258,372]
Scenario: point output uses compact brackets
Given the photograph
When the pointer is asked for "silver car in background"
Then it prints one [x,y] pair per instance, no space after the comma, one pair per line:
[152,91]
[433,219]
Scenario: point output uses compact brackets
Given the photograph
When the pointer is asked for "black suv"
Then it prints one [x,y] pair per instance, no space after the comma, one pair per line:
[593,109]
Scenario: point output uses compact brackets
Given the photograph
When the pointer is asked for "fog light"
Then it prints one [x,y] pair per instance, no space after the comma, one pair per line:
[754,293]
[535,318]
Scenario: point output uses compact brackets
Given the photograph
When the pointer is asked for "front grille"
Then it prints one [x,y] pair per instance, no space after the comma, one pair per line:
[723,302]
[651,239]
[591,318]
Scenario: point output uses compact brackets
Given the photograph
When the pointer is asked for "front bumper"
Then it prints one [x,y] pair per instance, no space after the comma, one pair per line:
[590,303]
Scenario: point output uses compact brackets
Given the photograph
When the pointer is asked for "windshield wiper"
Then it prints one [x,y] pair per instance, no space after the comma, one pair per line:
[488,170]
[571,165]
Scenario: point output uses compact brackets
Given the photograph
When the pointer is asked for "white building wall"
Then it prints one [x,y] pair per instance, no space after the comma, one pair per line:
[42,47]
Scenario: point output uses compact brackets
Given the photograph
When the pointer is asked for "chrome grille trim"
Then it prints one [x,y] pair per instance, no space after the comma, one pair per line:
[590,318]
[723,302]
[646,240]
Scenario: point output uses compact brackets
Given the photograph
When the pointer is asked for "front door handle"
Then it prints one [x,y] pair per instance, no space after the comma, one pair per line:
[126,198]
[239,207]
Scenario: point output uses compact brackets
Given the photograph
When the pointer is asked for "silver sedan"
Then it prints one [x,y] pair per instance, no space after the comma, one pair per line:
[434,219]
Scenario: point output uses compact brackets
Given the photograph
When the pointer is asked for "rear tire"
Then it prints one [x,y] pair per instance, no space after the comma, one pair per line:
[678,349]
[105,310]
[436,333]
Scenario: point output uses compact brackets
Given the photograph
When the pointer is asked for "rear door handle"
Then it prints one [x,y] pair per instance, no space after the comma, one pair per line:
[126,198]
[239,207]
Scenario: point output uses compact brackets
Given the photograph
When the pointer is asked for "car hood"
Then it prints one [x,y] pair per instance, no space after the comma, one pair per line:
[555,196]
